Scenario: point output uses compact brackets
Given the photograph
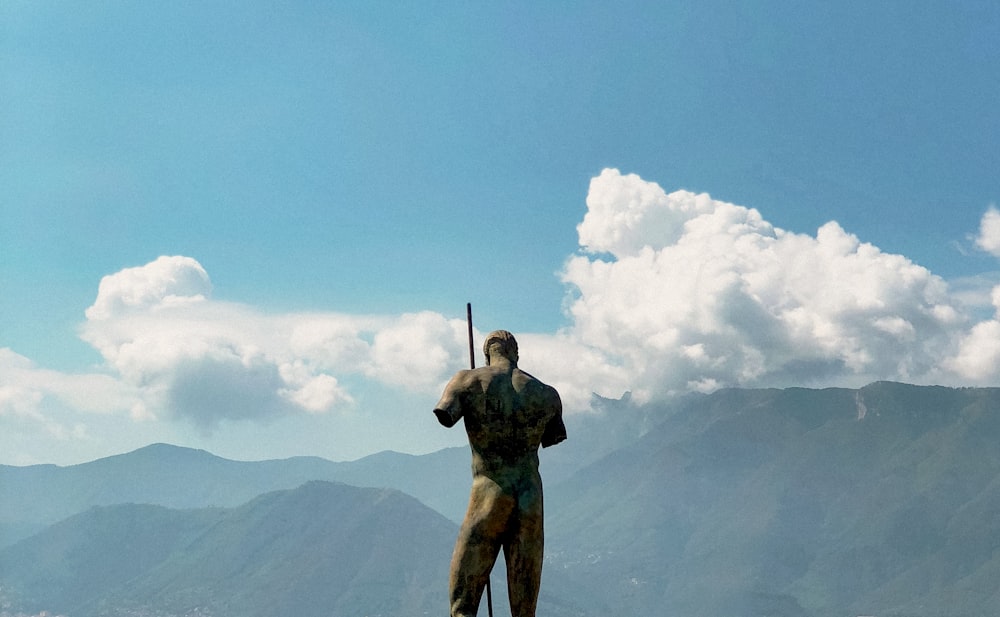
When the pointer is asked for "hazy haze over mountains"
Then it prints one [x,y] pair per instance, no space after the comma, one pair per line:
[878,501]
[796,502]
[177,477]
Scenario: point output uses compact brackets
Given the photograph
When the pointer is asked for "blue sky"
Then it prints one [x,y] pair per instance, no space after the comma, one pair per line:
[374,166]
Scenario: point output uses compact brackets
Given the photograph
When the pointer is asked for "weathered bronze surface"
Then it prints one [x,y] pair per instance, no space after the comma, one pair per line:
[508,414]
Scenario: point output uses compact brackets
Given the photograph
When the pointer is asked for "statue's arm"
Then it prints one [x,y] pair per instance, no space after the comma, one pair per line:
[555,430]
[446,418]
[449,409]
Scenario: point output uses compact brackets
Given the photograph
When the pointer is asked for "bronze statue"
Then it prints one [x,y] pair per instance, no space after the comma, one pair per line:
[508,414]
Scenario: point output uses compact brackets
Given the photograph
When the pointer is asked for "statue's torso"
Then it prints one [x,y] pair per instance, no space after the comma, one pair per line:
[506,412]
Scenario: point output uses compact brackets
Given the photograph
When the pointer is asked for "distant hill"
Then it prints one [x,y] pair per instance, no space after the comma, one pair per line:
[878,501]
[322,549]
[742,503]
[36,496]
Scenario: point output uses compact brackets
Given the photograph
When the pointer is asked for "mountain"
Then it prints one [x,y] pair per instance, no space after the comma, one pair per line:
[878,501]
[39,495]
[160,474]
[788,503]
[321,549]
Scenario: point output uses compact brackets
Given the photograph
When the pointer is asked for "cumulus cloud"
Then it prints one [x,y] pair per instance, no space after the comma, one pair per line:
[209,361]
[978,356]
[574,368]
[168,281]
[989,232]
[417,351]
[681,292]
[670,292]
[28,393]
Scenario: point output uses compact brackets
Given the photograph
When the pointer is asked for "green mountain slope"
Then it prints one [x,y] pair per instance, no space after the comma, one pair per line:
[322,549]
[796,503]
[319,550]
[879,501]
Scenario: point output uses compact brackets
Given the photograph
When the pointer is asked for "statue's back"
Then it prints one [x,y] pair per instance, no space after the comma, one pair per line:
[508,417]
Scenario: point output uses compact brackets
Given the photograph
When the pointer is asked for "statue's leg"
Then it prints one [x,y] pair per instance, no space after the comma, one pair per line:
[477,546]
[523,550]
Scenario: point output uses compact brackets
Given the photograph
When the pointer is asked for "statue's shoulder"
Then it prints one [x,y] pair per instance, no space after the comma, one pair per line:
[535,385]
[467,378]
[526,377]
[463,378]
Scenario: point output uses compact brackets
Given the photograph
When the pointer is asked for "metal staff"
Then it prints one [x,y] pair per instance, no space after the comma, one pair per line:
[472,365]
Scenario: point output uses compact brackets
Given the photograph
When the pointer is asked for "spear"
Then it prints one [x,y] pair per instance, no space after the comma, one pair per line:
[472,365]
[472,348]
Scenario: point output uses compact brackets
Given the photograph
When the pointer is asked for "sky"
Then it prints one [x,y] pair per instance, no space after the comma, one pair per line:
[253,227]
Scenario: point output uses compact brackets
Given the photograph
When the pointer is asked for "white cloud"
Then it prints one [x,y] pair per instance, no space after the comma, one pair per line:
[989,232]
[669,293]
[573,368]
[88,392]
[316,393]
[209,361]
[682,292]
[626,214]
[978,356]
[29,395]
[168,281]
[417,351]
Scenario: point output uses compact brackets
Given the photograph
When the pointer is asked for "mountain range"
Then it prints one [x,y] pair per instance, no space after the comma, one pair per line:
[883,500]
[36,496]
[162,474]
[819,503]
[320,549]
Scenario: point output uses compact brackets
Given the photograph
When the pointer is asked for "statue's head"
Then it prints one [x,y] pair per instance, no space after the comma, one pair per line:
[500,342]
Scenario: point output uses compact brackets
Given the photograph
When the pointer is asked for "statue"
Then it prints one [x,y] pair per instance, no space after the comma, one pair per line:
[508,414]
